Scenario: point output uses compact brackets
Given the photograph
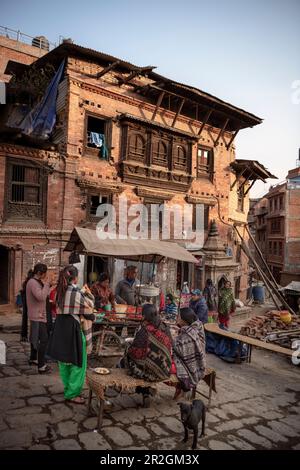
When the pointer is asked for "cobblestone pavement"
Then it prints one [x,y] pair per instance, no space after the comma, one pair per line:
[257,407]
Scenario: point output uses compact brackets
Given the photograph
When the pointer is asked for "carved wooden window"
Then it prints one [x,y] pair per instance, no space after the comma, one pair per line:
[137,147]
[180,157]
[160,153]
[26,191]
[204,161]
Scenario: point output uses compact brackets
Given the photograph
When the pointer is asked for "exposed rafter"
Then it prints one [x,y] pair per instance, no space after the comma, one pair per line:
[205,121]
[221,132]
[107,69]
[134,73]
[158,103]
[178,112]
[232,138]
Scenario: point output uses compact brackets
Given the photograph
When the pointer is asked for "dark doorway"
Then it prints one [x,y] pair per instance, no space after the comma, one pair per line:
[4,275]
[97,265]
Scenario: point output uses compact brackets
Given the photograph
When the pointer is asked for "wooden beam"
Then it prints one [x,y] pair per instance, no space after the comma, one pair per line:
[247,191]
[205,120]
[237,177]
[134,73]
[233,137]
[107,69]
[178,112]
[158,103]
[221,132]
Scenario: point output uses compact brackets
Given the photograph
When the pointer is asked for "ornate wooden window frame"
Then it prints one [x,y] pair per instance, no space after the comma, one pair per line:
[23,210]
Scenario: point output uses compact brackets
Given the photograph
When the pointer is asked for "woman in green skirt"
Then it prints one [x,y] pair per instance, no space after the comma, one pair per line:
[71,340]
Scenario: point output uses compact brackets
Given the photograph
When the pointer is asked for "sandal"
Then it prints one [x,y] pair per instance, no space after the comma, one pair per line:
[77,400]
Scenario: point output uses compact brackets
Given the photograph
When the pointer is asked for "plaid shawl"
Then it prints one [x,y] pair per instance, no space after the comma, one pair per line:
[149,356]
[189,353]
[79,304]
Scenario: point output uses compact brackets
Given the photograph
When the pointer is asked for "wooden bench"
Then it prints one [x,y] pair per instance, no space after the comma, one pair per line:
[118,378]
[214,328]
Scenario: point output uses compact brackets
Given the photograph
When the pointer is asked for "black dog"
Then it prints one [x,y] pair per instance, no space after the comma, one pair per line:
[191,415]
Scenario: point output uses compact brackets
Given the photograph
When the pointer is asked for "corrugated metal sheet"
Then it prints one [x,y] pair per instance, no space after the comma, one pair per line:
[62,95]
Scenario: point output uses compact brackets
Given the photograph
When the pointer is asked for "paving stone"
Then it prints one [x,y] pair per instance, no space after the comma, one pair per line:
[229,425]
[124,417]
[172,424]
[219,413]
[119,437]
[293,421]
[27,419]
[93,441]
[167,444]
[39,431]
[40,401]
[40,447]
[139,432]
[126,402]
[211,419]
[255,439]
[251,420]
[27,410]
[270,415]
[296,447]
[167,410]
[15,438]
[270,434]
[9,404]
[136,448]
[238,443]
[58,398]
[91,423]
[282,428]
[67,428]
[156,429]
[219,445]
[232,409]
[60,412]
[66,444]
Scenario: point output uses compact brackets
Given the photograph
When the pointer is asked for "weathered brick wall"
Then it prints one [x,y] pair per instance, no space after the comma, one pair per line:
[18,52]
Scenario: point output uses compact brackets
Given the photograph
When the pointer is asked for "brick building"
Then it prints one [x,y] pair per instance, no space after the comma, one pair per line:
[277,228]
[164,142]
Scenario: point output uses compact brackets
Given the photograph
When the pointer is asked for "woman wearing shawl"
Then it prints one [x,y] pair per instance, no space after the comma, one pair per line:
[226,305]
[72,335]
[189,351]
[210,295]
[149,355]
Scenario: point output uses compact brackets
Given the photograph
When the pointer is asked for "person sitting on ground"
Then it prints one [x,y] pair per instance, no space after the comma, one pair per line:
[170,307]
[70,340]
[149,355]
[104,297]
[125,289]
[189,351]
[199,306]
[226,305]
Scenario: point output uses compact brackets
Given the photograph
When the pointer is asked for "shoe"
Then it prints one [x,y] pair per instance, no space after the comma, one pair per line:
[32,362]
[44,370]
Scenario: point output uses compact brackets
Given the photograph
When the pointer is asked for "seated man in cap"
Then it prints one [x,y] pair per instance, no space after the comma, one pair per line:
[198,304]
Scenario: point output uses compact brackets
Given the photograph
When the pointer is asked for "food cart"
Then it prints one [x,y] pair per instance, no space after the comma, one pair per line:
[85,241]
